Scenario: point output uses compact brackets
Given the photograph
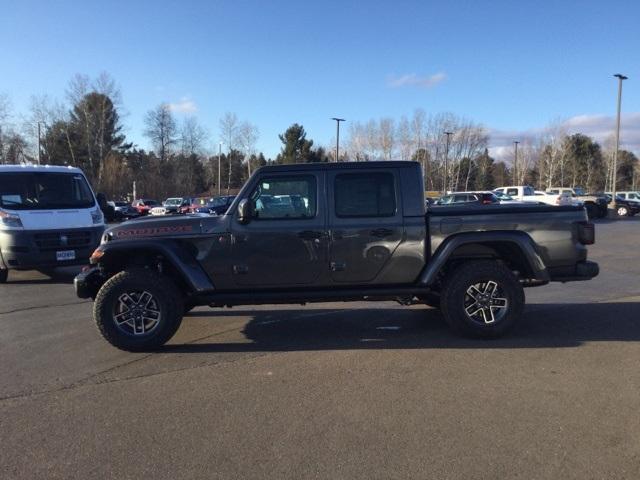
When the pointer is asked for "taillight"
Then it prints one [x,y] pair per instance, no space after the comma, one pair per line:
[586,233]
[558,200]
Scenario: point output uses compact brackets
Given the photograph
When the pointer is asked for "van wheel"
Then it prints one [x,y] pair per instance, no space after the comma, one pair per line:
[138,310]
[482,299]
[4,274]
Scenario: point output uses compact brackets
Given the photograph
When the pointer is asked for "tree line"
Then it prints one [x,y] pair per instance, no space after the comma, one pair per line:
[86,130]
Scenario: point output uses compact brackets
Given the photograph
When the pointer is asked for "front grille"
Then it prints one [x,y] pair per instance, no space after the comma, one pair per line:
[61,240]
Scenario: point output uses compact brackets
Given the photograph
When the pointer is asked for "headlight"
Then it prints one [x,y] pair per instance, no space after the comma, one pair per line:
[97,217]
[10,219]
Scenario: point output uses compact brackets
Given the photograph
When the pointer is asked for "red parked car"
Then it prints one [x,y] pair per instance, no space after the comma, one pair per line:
[193,204]
[143,205]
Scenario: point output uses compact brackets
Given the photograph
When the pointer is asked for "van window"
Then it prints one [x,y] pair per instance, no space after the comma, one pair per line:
[369,194]
[38,191]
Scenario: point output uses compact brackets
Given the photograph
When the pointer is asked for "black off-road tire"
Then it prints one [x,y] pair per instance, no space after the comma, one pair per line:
[454,297]
[4,274]
[165,293]
[592,210]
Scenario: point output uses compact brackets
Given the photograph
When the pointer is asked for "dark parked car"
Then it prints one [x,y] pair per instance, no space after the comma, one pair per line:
[468,198]
[623,207]
[217,205]
[333,231]
[124,211]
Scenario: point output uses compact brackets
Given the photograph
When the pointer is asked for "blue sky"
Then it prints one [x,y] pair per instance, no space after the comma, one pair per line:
[512,65]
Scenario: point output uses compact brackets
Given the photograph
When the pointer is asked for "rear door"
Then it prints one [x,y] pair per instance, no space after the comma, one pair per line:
[285,243]
[365,223]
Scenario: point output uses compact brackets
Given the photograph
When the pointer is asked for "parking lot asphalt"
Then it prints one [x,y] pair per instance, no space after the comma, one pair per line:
[334,390]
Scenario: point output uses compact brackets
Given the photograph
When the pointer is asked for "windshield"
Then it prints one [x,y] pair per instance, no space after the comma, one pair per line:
[172,202]
[218,202]
[44,190]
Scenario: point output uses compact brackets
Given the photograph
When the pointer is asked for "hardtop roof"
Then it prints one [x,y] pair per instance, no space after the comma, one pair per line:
[301,167]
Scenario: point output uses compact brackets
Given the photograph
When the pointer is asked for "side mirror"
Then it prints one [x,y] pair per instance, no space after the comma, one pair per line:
[245,211]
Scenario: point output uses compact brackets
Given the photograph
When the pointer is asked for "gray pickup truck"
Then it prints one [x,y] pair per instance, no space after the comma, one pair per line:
[333,232]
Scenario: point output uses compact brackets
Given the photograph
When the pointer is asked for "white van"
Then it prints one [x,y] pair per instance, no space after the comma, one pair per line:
[49,217]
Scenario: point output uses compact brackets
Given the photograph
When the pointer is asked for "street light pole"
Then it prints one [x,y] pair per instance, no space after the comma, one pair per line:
[446,164]
[219,166]
[515,163]
[614,181]
[338,120]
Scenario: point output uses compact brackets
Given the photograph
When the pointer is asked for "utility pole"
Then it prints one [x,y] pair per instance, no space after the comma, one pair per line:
[446,164]
[515,163]
[614,180]
[219,166]
[338,120]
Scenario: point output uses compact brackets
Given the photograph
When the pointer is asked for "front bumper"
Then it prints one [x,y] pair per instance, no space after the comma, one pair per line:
[88,282]
[34,249]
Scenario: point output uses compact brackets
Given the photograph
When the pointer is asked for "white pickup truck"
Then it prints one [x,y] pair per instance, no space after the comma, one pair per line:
[527,193]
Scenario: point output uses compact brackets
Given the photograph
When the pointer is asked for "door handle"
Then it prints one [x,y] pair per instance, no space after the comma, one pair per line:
[310,234]
[381,232]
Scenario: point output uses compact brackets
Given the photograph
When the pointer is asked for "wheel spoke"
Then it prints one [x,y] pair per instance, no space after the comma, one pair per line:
[474,307]
[473,292]
[499,303]
[491,288]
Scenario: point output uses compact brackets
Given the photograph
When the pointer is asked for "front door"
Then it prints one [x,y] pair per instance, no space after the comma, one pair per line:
[285,241]
[366,224]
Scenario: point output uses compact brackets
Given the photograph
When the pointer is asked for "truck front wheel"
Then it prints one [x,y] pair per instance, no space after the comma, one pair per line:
[482,299]
[138,310]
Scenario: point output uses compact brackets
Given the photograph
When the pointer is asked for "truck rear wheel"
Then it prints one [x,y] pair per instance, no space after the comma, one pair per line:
[4,274]
[138,310]
[482,299]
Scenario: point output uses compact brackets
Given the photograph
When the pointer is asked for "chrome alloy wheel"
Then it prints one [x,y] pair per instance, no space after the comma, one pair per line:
[484,303]
[137,313]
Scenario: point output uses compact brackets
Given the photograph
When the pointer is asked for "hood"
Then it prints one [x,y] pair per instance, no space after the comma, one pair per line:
[160,226]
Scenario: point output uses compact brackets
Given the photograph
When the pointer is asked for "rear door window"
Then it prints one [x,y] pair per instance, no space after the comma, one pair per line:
[369,194]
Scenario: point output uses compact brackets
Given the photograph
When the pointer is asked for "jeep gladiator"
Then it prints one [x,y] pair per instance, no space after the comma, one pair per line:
[333,232]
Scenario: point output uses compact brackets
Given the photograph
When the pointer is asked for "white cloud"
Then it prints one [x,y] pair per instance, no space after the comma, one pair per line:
[413,80]
[598,126]
[185,105]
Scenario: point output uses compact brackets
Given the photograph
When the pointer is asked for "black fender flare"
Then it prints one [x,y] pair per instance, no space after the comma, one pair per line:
[521,240]
[190,271]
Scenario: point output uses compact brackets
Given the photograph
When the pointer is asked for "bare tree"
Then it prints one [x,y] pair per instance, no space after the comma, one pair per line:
[229,135]
[405,142]
[192,137]
[248,135]
[387,137]
[418,134]
[161,130]
[5,113]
